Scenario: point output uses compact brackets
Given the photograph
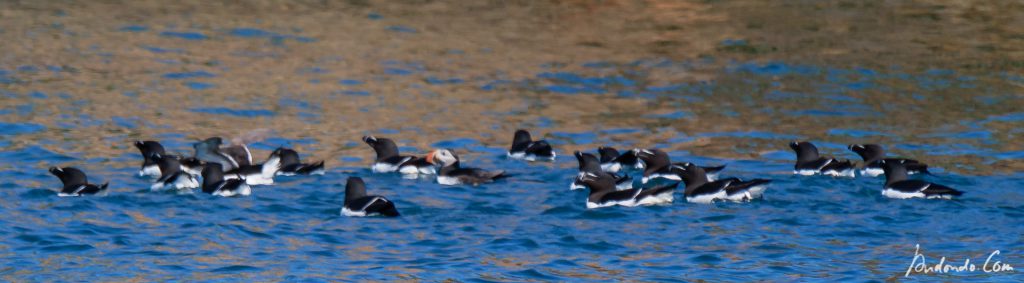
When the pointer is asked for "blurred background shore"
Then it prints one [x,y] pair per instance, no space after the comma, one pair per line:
[730,79]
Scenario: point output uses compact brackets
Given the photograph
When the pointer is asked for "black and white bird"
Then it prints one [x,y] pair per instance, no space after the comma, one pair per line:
[358,204]
[172,177]
[700,190]
[603,192]
[451,172]
[658,166]
[215,184]
[808,162]
[612,161]
[291,165]
[191,165]
[258,174]
[75,182]
[230,156]
[589,163]
[389,160]
[898,186]
[148,150]
[873,156]
[524,147]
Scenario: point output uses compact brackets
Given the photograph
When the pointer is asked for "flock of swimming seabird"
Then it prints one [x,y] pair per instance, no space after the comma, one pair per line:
[228,170]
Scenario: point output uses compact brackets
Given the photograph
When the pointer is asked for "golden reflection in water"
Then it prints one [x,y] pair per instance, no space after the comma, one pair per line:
[498,40]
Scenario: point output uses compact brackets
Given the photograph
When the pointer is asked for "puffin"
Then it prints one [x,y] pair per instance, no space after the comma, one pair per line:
[451,173]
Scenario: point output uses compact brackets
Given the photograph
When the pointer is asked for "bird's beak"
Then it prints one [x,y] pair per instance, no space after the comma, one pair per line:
[430,156]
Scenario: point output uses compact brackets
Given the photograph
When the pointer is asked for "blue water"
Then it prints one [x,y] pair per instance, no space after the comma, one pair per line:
[527,228]
[530,227]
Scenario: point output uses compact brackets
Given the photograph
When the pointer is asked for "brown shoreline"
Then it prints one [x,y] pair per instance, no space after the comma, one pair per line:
[490,40]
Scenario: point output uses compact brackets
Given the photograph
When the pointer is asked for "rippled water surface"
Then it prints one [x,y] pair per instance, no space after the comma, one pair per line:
[698,79]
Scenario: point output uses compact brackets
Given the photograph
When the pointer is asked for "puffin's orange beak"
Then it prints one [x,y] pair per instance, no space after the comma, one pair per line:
[430,156]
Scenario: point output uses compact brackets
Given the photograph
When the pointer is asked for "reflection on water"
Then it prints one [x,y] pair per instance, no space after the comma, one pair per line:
[717,83]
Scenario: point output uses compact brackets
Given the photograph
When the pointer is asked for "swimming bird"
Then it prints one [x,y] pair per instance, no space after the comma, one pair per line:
[612,161]
[230,157]
[589,163]
[172,177]
[873,155]
[215,184]
[148,150]
[898,186]
[808,162]
[603,192]
[357,203]
[451,173]
[700,190]
[524,147]
[389,160]
[658,165]
[290,164]
[75,182]
[191,165]
[258,174]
